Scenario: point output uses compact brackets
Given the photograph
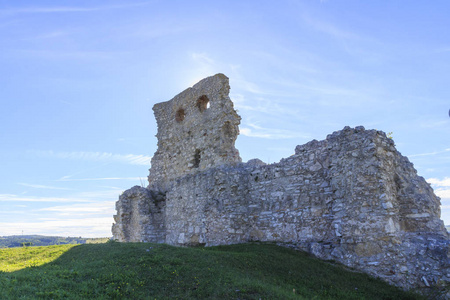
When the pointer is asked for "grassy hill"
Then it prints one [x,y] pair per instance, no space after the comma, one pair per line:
[41,240]
[155,271]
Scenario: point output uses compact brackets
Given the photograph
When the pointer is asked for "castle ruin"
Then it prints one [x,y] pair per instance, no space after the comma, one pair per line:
[352,197]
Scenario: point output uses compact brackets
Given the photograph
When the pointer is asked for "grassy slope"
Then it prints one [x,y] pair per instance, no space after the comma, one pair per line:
[41,240]
[150,271]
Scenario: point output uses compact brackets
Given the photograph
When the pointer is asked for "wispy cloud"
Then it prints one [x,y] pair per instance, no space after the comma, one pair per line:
[55,9]
[240,82]
[39,186]
[104,207]
[430,153]
[203,58]
[132,159]
[161,28]
[351,39]
[86,214]
[204,66]
[439,182]
[17,198]
[252,107]
[330,29]
[434,124]
[85,227]
[55,55]
[270,133]
[48,35]
[442,189]
[67,9]
[84,197]
[100,195]
[443,193]
[67,178]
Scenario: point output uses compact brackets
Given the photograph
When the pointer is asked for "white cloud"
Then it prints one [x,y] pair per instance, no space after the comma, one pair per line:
[248,86]
[100,195]
[205,67]
[433,123]
[104,207]
[132,159]
[84,197]
[252,108]
[270,133]
[67,9]
[87,214]
[443,193]
[48,35]
[203,58]
[47,187]
[52,55]
[331,29]
[83,215]
[16,198]
[85,227]
[438,182]
[442,189]
[430,153]
[60,9]
[67,178]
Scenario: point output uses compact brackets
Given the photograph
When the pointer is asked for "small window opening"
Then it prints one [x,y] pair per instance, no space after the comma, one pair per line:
[203,103]
[196,161]
[179,115]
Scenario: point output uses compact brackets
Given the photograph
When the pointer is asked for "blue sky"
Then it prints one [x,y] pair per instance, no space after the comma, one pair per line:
[79,78]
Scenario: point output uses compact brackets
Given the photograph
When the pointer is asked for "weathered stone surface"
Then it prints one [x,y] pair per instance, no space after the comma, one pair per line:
[351,197]
[140,213]
[196,131]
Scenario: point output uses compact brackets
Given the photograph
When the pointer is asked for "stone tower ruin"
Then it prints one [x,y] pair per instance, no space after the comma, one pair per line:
[196,131]
[352,197]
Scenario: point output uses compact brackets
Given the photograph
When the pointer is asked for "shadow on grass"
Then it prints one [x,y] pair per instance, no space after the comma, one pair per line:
[149,271]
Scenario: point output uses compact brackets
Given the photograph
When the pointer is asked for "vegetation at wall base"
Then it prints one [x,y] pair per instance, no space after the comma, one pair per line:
[157,271]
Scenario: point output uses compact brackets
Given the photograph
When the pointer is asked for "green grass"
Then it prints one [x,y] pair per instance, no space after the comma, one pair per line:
[42,240]
[156,271]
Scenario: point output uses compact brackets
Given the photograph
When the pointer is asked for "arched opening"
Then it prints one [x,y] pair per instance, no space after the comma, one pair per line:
[203,103]
[179,115]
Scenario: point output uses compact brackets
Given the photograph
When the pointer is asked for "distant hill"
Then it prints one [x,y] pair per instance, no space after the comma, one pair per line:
[448,228]
[157,271]
[41,240]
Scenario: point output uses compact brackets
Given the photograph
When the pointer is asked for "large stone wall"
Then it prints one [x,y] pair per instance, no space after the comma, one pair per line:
[351,197]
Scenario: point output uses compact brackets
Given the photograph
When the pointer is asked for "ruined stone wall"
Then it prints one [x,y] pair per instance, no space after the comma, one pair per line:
[140,216]
[335,199]
[352,198]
